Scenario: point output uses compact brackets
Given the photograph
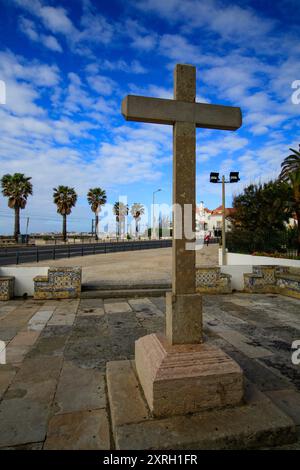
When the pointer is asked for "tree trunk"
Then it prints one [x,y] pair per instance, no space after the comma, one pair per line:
[17,223]
[97,226]
[136,228]
[298,223]
[64,230]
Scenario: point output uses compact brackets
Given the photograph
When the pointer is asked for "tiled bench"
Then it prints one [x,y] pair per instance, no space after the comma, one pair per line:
[210,280]
[262,279]
[7,284]
[288,282]
[273,279]
[61,283]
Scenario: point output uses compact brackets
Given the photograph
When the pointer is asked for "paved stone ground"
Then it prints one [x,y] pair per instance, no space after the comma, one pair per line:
[132,266]
[53,390]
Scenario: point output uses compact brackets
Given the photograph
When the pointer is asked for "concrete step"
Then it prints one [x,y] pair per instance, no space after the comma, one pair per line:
[110,285]
[123,293]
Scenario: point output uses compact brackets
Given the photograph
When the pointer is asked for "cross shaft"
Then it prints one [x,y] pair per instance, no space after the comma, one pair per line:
[183,305]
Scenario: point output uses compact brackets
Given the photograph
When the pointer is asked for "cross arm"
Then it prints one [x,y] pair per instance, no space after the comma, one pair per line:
[163,111]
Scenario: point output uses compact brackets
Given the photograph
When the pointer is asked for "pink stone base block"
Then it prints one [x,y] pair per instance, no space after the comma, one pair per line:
[186,378]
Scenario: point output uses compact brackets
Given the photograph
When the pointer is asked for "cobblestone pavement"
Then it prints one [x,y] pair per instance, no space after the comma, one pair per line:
[53,390]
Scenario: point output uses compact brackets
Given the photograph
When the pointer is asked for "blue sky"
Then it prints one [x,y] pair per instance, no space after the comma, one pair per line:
[68,64]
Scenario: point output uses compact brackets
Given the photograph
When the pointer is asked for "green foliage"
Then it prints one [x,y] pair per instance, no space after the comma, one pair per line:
[96,198]
[17,188]
[65,198]
[262,207]
[120,210]
[260,217]
[290,173]
[137,210]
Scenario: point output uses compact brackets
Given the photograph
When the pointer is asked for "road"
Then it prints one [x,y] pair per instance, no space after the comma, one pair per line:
[28,254]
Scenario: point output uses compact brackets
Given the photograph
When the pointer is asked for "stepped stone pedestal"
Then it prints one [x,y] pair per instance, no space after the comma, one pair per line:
[186,378]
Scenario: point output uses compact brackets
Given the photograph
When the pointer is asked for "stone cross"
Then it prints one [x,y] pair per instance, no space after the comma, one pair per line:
[184,308]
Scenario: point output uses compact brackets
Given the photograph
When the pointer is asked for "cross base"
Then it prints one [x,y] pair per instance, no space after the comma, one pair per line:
[256,423]
[186,378]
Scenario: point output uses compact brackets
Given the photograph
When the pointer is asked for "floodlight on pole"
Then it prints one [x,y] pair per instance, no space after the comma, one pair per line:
[214,178]
[233,178]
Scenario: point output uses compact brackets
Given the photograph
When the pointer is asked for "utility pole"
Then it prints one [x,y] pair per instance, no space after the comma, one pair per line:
[223,223]
[27,225]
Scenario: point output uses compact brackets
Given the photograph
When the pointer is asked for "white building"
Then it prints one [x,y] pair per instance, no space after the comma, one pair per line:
[210,221]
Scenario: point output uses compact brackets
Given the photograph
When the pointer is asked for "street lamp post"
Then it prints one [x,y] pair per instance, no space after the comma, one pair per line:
[233,178]
[153,234]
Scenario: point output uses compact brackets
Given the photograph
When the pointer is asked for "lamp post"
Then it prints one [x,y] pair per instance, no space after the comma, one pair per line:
[153,234]
[233,178]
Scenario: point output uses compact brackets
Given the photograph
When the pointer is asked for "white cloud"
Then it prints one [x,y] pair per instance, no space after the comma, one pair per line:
[51,43]
[57,20]
[228,21]
[101,84]
[141,38]
[93,29]
[133,66]
[179,49]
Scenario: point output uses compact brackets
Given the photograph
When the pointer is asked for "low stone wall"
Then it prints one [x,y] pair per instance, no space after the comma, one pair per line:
[7,287]
[61,283]
[273,279]
[210,280]
[235,259]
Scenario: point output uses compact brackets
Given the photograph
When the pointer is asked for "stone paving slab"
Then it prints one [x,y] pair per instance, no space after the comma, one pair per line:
[144,305]
[26,405]
[39,320]
[91,303]
[122,383]
[241,342]
[6,377]
[91,312]
[62,319]
[61,374]
[82,430]
[89,392]
[117,307]
[288,401]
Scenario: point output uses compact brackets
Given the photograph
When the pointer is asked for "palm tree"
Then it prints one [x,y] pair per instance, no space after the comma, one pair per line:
[290,172]
[17,188]
[96,198]
[65,198]
[136,211]
[121,211]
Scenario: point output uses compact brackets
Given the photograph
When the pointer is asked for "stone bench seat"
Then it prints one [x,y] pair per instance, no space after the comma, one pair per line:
[7,284]
[210,280]
[61,283]
[41,279]
[273,279]
[290,277]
